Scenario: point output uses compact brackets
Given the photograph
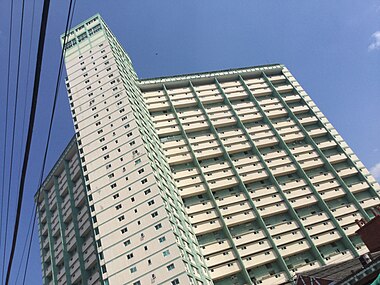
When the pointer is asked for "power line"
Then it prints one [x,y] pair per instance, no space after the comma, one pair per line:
[5,134]
[59,77]
[41,43]
[30,229]
[13,132]
[33,217]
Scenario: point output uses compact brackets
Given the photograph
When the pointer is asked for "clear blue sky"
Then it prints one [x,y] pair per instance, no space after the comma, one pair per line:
[331,47]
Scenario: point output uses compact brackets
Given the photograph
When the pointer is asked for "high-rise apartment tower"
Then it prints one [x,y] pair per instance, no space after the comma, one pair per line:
[225,177]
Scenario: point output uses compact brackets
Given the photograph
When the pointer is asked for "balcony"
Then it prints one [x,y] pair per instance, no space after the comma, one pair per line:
[303,202]
[239,218]
[284,88]
[248,237]
[282,228]
[308,120]
[259,259]
[344,210]
[276,78]
[224,270]
[234,208]
[314,133]
[314,219]
[273,210]
[217,259]
[358,187]
[283,170]
[369,203]
[337,158]
[215,247]
[299,109]
[203,217]
[326,144]
[347,172]
[254,247]
[332,194]
[292,98]
[261,92]
[325,238]
[208,227]
[291,249]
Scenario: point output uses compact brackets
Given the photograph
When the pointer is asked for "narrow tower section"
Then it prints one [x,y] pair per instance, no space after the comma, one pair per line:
[142,233]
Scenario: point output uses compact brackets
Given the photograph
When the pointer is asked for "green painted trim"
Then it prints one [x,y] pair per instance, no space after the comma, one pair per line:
[74,210]
[50,235]
[62,231]
[41,243]
[300,171]
[374,193]
[272,179]
[209,192]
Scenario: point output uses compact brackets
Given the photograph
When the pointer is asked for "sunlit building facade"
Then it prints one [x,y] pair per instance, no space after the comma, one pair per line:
[225,177]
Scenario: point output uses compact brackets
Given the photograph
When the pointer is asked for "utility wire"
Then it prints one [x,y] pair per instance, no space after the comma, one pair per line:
[30,228]
[29,246]
[70,16]
[27,82]
[41,43]
[33,217]
[5,134]
[13,132]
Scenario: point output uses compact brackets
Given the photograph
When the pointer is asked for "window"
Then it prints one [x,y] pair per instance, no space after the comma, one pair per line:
[175,281]
[162,239]
[127,242]
[121,218]
[123,231]
[137,161]
[158,226]
[151,202]
[170,267]
[137,283]
[154,214]
[133,269]
[118,207]
[141,170]
[145,180]
[116,196]
[146,192]
[129,256]
[166,253]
